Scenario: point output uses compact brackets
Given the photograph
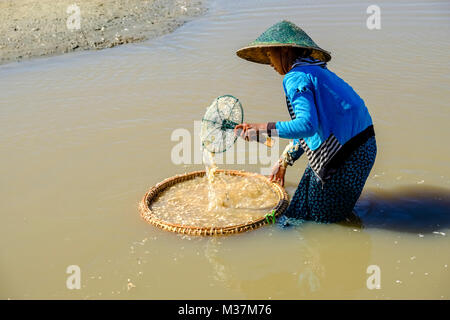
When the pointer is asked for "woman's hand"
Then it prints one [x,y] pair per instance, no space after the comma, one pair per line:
[278,173]
[250,131]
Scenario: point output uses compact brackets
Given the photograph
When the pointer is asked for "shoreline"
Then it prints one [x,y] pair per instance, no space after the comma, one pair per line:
[38,28]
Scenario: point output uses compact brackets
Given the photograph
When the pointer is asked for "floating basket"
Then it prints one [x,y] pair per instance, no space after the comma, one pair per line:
[152,194]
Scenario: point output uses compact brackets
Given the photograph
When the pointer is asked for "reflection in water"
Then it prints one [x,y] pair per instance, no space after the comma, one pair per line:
[312,265]
[313,260]
[212,255]
[409,209]
[332,266]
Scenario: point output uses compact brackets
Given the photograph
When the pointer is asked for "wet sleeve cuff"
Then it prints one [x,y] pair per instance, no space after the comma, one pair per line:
[271,129]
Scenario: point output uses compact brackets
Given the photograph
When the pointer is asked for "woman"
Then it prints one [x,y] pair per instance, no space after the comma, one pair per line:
[329,122]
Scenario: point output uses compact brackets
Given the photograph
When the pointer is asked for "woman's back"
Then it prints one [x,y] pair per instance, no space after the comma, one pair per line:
[340,110]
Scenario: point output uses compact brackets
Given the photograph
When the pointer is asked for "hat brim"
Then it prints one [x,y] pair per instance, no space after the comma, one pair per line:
[258,53]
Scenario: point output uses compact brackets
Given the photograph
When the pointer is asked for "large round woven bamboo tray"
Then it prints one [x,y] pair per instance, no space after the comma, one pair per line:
[151,195]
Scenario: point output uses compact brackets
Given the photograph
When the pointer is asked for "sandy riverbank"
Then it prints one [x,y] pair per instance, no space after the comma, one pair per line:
[33,28]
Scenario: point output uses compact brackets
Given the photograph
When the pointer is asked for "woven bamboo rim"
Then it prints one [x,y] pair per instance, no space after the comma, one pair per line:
[150,196]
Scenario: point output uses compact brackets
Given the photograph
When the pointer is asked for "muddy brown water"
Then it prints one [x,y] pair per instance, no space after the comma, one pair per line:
[83,136]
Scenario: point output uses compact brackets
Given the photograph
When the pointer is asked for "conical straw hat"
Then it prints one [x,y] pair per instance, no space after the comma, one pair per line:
[282,34]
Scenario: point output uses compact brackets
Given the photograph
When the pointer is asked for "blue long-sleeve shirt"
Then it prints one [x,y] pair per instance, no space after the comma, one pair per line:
[323,104]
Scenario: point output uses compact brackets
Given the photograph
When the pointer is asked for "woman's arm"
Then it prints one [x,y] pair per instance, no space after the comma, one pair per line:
[299,90]
[292,152]
[306,121]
